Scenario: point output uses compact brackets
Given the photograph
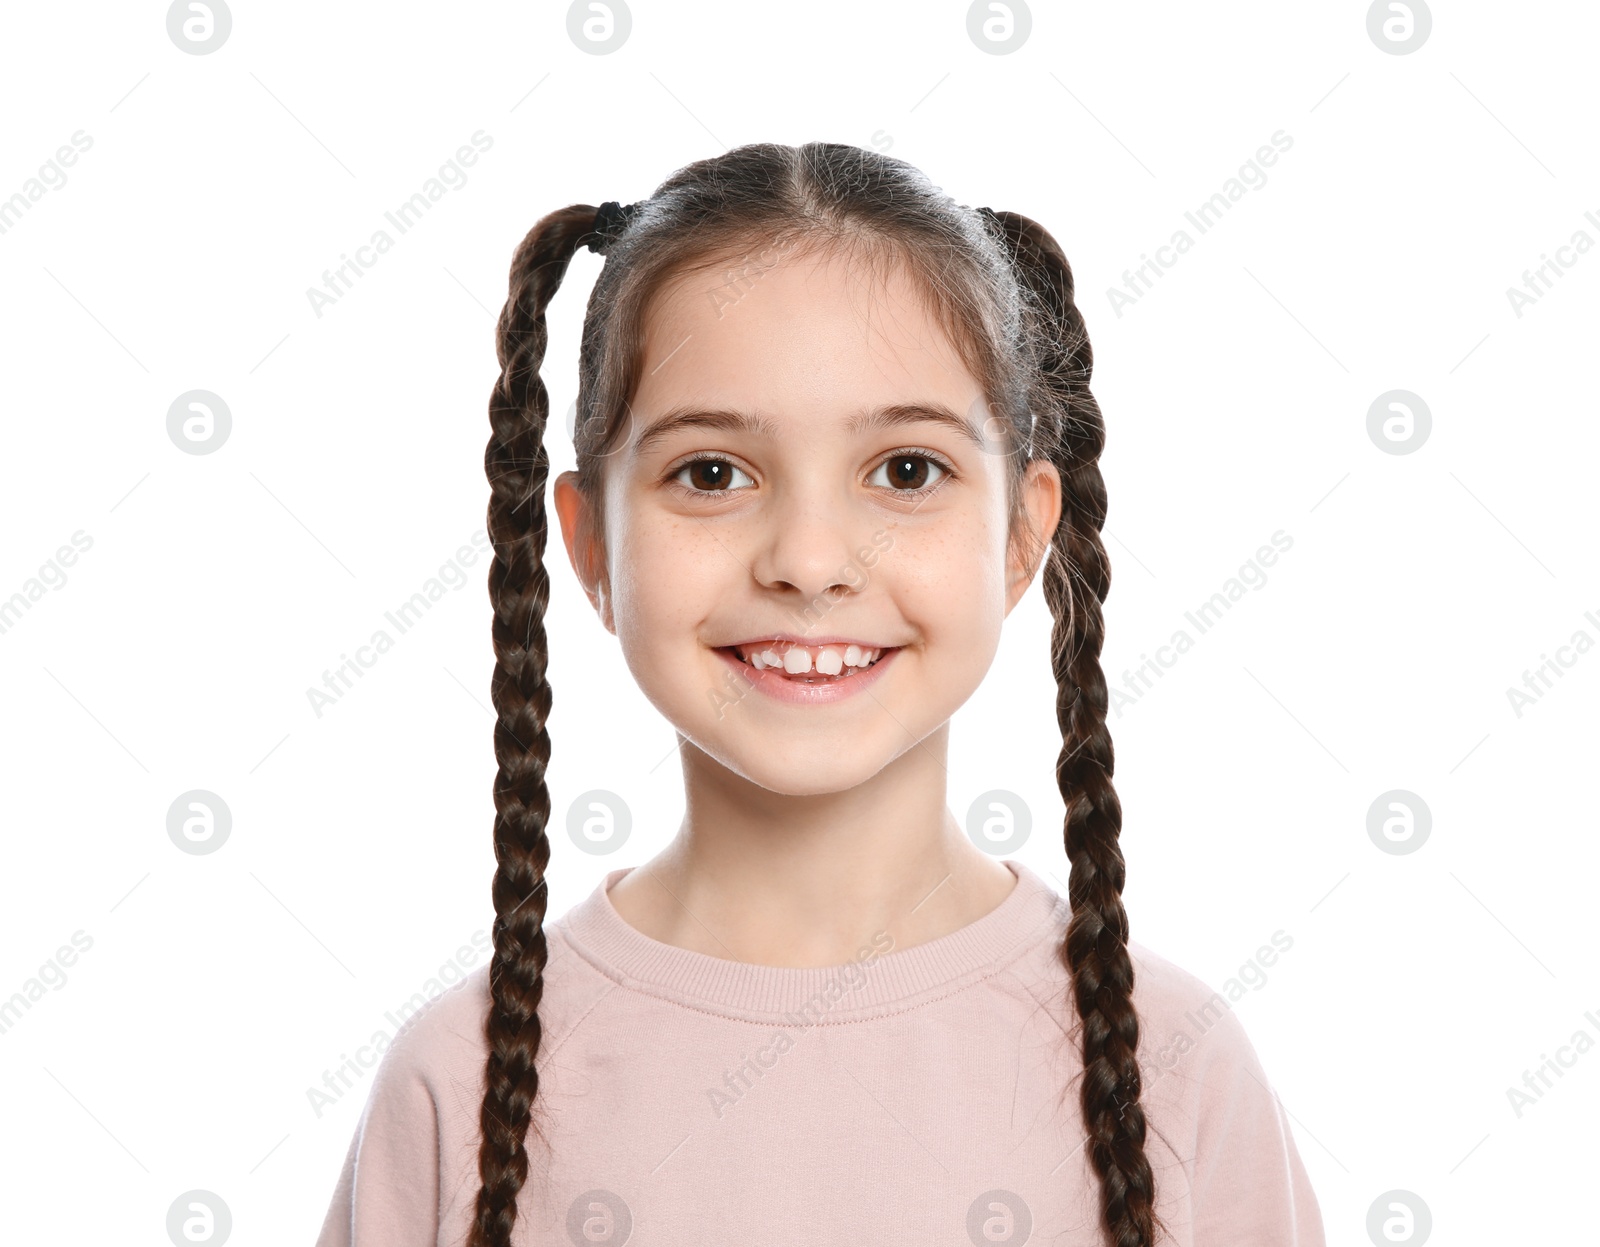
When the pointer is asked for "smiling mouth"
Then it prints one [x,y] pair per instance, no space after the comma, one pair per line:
[809,664]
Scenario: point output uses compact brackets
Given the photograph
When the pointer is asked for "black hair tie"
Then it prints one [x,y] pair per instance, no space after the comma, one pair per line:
[610,219]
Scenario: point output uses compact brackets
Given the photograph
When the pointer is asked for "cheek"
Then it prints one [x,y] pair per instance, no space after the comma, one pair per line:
[666,574]
[951,585]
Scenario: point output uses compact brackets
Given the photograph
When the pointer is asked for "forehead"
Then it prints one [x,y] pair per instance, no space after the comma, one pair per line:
[814,333]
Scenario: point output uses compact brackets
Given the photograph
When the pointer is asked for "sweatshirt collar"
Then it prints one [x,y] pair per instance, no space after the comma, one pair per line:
[882,980]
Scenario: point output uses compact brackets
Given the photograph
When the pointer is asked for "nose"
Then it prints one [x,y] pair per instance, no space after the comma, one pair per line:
[806,544]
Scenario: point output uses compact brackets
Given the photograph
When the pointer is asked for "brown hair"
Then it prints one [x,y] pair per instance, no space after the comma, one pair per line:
[1000,285]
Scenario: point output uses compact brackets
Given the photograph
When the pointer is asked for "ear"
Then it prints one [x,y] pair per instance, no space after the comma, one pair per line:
[1041,512]
[584,550]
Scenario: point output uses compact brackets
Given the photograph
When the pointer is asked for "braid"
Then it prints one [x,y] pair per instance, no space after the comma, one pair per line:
[1077,575]
[519,588]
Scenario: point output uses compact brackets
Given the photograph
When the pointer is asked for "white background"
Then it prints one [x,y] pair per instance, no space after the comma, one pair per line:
[1377,655]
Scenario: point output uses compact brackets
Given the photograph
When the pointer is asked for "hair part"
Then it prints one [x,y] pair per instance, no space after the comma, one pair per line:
[1002,289]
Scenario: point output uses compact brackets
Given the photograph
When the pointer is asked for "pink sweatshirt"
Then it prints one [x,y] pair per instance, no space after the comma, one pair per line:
[919,1097]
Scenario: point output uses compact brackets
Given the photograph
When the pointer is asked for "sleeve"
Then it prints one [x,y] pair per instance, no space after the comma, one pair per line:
[388,1191]
[1250,1188]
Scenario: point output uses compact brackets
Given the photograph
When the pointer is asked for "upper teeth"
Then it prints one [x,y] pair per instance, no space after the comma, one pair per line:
[799,659]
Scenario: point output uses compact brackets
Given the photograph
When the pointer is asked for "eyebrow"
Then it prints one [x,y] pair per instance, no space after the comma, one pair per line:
[727,420]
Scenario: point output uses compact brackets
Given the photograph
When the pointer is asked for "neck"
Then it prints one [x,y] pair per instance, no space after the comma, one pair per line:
[807,881]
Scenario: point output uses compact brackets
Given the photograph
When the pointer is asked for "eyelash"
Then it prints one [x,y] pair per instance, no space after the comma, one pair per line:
[909,452]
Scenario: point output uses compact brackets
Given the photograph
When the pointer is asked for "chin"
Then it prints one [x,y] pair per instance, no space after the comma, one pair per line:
[786,784]
[799,775]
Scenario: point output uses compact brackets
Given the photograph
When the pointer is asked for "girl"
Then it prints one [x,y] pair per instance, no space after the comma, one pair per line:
[830,426]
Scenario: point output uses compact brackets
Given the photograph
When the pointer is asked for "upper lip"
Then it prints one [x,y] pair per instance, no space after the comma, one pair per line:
[791,638]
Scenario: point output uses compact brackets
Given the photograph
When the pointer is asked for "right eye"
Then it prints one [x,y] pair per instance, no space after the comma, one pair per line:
[709,475]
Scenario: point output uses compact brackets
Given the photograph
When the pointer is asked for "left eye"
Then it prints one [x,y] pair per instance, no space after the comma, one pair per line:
[907,473]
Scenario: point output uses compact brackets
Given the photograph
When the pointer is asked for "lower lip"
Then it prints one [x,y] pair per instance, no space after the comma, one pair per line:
[800,693]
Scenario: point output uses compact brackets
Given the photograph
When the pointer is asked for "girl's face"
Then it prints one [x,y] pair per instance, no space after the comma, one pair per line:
[805,475]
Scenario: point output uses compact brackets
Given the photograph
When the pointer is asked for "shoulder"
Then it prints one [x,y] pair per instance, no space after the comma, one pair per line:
[409,1170]
[1190,1040]
[1180,1015]
[432,1060]
[1189,1036]
[427,1091]
[440,1046]
[443,1029]
[1208,1097]
[416,1115]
